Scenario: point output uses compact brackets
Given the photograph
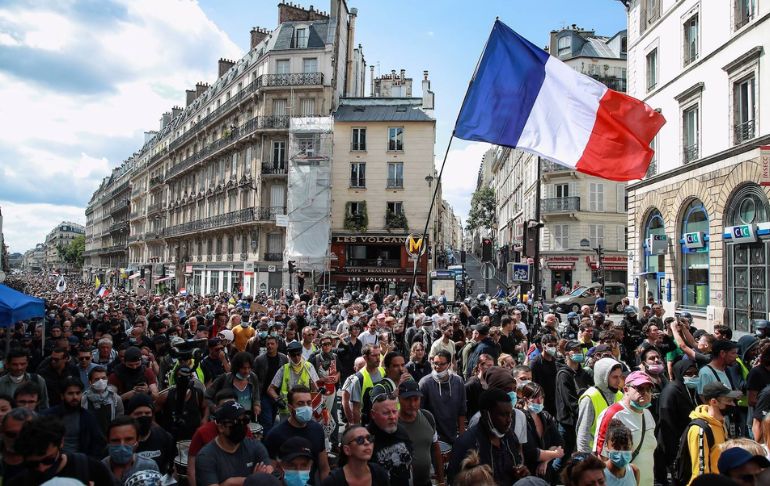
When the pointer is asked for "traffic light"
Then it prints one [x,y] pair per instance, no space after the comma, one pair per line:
[486,249]
[292,266]
[531,239]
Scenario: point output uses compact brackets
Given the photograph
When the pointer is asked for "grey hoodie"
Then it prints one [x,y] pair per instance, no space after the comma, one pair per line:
[586,417]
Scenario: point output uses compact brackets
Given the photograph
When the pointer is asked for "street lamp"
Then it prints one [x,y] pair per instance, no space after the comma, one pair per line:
[429,180]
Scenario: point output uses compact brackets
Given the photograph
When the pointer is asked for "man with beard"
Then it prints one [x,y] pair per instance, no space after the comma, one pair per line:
[101,399]
[296,372]
[266,365]
[215,363]
[154,442]
[54,370]
[81,430]
[122,461]
[17,364]
[393,448]
[131,377]
[13,462]
[40,444]
[230,457]
[181,406]
[301,424]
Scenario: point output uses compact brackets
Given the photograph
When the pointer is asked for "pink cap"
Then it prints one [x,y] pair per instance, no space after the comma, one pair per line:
[638,378]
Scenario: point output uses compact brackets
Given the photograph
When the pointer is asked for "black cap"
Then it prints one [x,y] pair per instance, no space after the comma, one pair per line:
[572,346]
[409,388]
[295,447]
[133,354]
[229,411]
[139,400]
[294,347]
[481,329]
[717,389]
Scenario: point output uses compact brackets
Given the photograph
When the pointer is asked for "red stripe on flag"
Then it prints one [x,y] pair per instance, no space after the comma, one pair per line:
[619,146]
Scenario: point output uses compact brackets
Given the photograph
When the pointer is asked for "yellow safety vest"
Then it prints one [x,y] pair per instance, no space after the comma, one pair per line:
[171,375]
[743,402]
[599,403]
[304,379]
[368,380]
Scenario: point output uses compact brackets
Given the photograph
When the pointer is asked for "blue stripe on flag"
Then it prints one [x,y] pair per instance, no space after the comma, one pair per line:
[504,89]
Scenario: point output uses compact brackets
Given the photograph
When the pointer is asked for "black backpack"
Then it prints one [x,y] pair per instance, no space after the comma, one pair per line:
[683,463]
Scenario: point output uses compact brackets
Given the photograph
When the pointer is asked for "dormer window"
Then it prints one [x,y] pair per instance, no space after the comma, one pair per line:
[565,46]
[300,37]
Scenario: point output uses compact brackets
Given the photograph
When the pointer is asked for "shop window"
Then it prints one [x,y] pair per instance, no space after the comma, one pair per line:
[654,226]
[695,257]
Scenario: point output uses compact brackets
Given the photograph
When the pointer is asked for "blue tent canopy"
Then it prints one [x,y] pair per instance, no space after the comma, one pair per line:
[15,306]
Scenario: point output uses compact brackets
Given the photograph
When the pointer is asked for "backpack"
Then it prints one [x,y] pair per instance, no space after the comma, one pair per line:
[683,464]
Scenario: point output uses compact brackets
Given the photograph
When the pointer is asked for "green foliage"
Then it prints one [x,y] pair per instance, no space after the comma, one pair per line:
[356,222]
[73,253]
[482,213]
[395,220]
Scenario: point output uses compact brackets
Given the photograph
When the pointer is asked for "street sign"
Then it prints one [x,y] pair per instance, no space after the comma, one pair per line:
[487,270]
[415,245]
[271,268]
[281,220]
[519,272]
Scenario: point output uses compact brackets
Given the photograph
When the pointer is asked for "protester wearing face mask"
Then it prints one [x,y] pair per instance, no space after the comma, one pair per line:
[230,456]
[632,412]
[617,457]
[652,365]
[154,442]
[301,424]
[608,381]
[82,432]
[544,371]
[181,407]
[720,400]
[571,382]
[101,399]
[677,400]
[296,372]
[493,439]
[242,331]
[544,443]
[122,439]
[444,396]
[293,467]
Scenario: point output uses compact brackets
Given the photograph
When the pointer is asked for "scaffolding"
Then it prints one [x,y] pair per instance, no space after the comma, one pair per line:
[308,226]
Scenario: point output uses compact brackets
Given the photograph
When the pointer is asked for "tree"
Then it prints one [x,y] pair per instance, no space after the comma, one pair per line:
[73,252]
[482,213]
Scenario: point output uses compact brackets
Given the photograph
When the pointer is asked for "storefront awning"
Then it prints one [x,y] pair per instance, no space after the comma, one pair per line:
[135,275]
[163,279]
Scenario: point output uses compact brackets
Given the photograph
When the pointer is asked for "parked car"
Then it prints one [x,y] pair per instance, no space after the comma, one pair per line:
[614,292]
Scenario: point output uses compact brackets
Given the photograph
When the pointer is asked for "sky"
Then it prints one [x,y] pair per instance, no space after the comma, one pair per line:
[82,80]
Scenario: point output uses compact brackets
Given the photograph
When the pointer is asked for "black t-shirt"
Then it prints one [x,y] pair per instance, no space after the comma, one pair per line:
[212,368]
[507,344]
[759,377]
[273,363]
[763,404]
[393,452]
[79,466]
[160,447]
[544,374]
[283,431]
[380,476]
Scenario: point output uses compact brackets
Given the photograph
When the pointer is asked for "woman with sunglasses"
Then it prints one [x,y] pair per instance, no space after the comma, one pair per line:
[355,466]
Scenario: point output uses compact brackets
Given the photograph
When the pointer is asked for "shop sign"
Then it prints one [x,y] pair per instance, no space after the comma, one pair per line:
[248,267]
[369,239]
[343,278]
[743,233]
[561,258]
[271,268]
[657,244]
[693,240]
[764,161]
[415,245]
[371,270]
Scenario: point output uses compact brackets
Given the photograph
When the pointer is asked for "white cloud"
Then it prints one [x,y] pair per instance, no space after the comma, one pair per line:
[460,175]
[25,225]
[83,80]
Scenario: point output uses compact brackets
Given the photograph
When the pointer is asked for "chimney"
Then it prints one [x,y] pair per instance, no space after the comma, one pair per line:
[165,119]
[191,95]
[371,90]
[200,88]
[351,35]
[427,94]
[257,35]
[289,12]
[403,75]
[224,66]
[175,112]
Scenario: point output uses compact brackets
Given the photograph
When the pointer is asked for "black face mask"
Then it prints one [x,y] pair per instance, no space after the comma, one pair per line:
[727,410]
[144,424]
[237,433]
[182,383]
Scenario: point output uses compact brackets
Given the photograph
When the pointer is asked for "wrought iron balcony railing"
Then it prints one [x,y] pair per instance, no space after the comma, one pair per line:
[690,153]
[275,169]
[273,257]
[744,131]
[561,204]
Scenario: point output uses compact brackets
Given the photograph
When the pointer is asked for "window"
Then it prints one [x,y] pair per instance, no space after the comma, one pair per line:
[300,37]
[652,11]
[279,107]
[279,154]
[652,169]
[358,142]
[695,260]
[691,40]
[307,106]
[395,207]
[234,166]
[358,174]
[744,12]
[282,66]
[690,133]
[564,45]
[743,109]
[307,144]
[356,208]
[310,65]
[595,196]
[395,175]
[214,281]
[652,69]
[560,237]
[274,243]
[395,138]
[596,235]
[561,190]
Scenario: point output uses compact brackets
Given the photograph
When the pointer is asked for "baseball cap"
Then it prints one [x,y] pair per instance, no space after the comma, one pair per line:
[229,411]
[736,457]
[716,389]
[294,347]
[572,346]
[133,354]
[722,345]
[637,378]
[481,329]
[408,389]
[227,334]
[601,348]
[295,447]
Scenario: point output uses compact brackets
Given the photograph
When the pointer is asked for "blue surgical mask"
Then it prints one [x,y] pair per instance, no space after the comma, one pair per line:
[121,454]
[578,357]
[550,350]
[535,407]
[262,334]
[303,414]
[240,376]
[296,478]
[691,382]
[640,406]
[514,397]
[620,458]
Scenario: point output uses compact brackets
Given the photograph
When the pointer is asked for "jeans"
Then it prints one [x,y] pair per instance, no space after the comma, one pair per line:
[267,414]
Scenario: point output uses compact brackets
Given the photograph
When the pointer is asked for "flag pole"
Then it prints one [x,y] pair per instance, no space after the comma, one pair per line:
[438,180]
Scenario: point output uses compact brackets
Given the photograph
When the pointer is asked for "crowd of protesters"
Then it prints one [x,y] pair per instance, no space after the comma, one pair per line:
[366,388]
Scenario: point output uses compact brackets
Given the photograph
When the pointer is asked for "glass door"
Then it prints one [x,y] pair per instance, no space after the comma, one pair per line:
[747,284]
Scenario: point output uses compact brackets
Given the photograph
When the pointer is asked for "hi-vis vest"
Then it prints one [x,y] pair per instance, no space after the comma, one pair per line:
[368,380]
[304,379]
[599,403]
[744,401]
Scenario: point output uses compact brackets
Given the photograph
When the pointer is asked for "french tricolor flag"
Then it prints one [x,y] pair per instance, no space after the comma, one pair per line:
[103,292]
[522,97]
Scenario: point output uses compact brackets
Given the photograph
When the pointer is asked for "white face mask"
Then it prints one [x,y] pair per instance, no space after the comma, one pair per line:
[17,379]
[99,385]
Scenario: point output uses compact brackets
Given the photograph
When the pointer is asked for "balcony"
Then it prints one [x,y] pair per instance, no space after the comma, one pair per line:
[136,214]
[240,216]
[268,213]
[561,205]
[119,206]
[274,257]
[373,262]
[119,227]
[136,238]
[119,189]
[279,169]
[690,153]
[156,181]
[292,79]
[744,131]
[397,183]
[154,207]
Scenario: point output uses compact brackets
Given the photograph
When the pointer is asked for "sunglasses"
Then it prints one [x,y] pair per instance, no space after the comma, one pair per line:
[48,461]
[384,396]
[84,358]
[362,439]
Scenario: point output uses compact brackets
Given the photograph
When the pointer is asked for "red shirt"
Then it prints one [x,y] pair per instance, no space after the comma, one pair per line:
[205,434]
